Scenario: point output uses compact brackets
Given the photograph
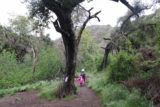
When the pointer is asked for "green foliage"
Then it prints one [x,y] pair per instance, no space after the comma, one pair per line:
[121,67]
[125,44]
[116,95]
[41,86]
[48,90]
[97,81]
[15,74]
[89,53]
[157,29]
[21,25]
[49,63]
[12,73]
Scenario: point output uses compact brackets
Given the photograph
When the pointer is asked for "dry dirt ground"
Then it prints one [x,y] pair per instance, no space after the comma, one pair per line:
[85,98]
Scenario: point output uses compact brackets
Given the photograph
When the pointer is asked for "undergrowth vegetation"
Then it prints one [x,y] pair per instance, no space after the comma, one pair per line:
[121,67]
[89,55]
[46,89]
[16,74]
[117,95]
[49,64]
[12,73]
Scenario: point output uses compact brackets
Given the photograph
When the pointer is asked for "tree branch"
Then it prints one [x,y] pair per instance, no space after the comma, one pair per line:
[103,48]
[85,23]
[125,2]
[107,38]
[58,28]
[129,6]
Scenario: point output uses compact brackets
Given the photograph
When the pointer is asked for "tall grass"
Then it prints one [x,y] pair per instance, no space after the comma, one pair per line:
[116,95]
[46,89]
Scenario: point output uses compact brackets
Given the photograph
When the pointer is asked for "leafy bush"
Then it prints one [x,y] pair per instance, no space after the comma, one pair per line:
[118,96]
[12,73]
[49,64]
[16,74]
[121,67]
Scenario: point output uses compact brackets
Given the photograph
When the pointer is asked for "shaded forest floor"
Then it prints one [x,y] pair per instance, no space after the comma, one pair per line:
[85,98]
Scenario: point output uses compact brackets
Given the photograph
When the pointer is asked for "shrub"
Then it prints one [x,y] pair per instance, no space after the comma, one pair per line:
[12,73]
[121,67]
[117,95]
[16,74]
[114,95]
[48,65]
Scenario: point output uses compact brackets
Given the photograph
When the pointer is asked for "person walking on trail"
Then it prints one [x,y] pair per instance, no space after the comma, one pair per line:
[81,80]
[83,75]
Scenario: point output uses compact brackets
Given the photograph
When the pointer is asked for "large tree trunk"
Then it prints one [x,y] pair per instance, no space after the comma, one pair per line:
[68,86]
[70,44]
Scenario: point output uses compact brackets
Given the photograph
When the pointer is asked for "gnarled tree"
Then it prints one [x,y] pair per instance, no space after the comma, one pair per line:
[126,26]
[64,25]
[116,34]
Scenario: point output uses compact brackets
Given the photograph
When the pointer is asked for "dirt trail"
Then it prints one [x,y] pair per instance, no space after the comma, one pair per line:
[85,98]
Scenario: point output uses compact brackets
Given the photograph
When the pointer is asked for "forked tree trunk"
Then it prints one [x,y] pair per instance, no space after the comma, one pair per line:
[64,25]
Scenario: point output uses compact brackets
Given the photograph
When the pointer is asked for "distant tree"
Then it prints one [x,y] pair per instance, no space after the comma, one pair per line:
[17,38]
[12,43]
[89,52]
[21,25]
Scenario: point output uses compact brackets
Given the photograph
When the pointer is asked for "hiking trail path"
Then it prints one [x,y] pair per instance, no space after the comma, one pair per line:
[85,98]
